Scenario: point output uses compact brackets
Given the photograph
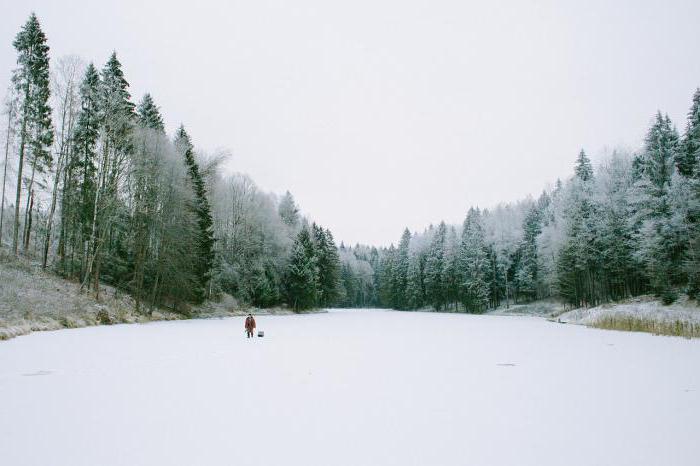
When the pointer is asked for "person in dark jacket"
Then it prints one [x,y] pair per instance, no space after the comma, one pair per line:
[249,325]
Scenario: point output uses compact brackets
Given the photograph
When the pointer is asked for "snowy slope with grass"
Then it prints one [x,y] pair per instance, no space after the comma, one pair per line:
[350,388]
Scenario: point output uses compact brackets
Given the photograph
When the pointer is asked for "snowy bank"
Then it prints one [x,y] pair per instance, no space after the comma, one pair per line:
[644,314]
[32,299]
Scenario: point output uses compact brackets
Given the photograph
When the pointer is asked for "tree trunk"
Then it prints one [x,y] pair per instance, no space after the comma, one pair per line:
[28,210]
[4,175]
[20,165]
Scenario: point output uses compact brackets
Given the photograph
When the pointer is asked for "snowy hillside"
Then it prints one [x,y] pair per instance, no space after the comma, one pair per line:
[350,388]
[32,299]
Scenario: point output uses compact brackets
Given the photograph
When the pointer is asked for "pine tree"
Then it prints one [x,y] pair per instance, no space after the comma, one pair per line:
[526,275]
[384,278]
[659,248]
[328,264]
[415,289]
[473,264]
[450,271]
[400,272]
[109,226]
[578,262]
[302,279]
[288,210]
[434,265]
[583,168]
[149,114]
[688,157]
[80,181]
[202,211]
[31,81]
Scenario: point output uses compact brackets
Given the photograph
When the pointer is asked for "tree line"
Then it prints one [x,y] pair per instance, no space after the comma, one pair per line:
[104,195]
[629,227]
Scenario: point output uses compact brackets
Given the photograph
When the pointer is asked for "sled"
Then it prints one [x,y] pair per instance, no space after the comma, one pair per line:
[261,333]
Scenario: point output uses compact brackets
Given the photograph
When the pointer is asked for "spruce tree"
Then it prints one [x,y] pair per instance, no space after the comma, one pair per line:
[583,169]
[578,262]
[434,265]
[80,183]
[659,248]
[149,114]
[31,81]
[526,275]
[288,210]
[200,208]
[328,264]
[415,289]
[688,157]
[473,264]
[450,271]
[302,279]
[400,272]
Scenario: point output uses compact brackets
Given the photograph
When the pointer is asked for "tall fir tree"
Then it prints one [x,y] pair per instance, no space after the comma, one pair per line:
[31,81]
[80,180]
[578,261]
[473,264]
[302,278]
[400,272]
[688,157]
[415,289]
[202,211]
[434,265]
[288,210]
[328,264]
[658,247]
[149,114]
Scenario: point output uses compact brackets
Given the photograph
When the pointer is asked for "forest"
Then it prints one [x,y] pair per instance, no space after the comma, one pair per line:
[96,190]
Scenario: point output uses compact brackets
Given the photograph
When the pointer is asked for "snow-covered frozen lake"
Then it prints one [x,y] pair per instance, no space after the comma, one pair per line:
[350,388]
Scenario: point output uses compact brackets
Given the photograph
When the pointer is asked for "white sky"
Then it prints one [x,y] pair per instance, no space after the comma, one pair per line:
[378,115]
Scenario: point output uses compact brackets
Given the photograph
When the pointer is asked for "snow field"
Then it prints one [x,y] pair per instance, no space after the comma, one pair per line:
[350,388]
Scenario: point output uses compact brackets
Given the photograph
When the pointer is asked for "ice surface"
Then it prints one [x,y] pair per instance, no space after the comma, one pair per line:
[350,388]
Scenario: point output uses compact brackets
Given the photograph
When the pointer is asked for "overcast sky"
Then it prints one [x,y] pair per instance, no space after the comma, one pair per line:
[378,115]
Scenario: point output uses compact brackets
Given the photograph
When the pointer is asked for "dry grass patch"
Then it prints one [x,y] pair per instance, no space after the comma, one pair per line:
[678,328]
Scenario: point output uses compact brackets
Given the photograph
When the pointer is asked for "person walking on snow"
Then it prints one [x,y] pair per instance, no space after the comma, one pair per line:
[249,325]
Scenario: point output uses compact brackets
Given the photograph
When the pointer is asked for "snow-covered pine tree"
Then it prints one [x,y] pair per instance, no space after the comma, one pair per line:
[415,288]
[400,272]
[473,264]
[659,247]
[384,277]
[31,82]
[450,271]
[434,265]
[149,114]
[690,167]
[526,281]
[302,280]
[288,210]
[578,261]
[688,155]
[583,168]
[328,264]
